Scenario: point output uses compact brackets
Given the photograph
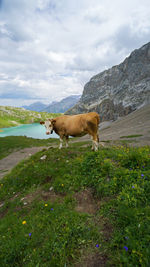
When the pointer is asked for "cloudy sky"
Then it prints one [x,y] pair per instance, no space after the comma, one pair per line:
[49,49]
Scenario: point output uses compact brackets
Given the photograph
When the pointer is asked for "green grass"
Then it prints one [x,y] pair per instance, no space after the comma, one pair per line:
[131,136]
[55,234]
[10,143]
[128,141]
[11,116]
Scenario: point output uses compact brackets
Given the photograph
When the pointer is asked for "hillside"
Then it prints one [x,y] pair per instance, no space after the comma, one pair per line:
[119,90]
[63,105]
[11,116]
[89,209]
[133,129]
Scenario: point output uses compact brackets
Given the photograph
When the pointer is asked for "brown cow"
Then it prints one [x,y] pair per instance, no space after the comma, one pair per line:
[74,125]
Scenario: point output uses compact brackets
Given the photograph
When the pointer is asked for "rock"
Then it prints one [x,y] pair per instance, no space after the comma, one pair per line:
[120,90]
[51,188]
[43,157]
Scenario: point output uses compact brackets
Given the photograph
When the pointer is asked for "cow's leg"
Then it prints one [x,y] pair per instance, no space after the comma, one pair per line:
[61,142]
[93,131]
[67,139]
[92,143]
[95,142]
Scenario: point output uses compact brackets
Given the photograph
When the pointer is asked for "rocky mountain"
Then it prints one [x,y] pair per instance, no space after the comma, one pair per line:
[119,90]
[63,105]
[36,106]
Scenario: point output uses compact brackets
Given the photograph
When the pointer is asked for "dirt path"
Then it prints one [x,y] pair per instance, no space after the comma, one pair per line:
[7,163]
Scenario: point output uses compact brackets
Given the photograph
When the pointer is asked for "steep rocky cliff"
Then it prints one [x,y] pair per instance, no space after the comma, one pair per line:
[120,90]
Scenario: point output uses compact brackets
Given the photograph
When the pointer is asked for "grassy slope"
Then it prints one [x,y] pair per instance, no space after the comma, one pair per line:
[11,116]
[118,177]
[10,143]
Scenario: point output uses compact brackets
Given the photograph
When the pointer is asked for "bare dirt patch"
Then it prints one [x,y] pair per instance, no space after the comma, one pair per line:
[52,196]
[39,194]
[107,230]
[85,202]
[93,260]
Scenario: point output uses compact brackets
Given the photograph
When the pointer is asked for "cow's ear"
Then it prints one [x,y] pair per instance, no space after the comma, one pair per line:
[42,122]
[53,122]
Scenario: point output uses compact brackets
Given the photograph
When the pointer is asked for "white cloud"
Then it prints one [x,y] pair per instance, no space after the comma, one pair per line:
[50,48]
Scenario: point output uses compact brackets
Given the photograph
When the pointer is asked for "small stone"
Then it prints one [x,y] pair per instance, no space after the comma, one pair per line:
[1,205]
[43,157]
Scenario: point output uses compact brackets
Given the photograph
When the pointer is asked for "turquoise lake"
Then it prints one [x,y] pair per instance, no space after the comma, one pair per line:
[34,130]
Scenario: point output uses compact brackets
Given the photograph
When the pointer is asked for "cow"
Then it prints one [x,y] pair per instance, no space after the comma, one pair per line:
[75,126]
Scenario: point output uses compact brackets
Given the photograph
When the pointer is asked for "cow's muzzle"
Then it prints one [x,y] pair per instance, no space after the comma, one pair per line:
[49,132]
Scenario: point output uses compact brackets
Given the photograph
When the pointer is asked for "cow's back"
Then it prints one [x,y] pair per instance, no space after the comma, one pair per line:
[75,125]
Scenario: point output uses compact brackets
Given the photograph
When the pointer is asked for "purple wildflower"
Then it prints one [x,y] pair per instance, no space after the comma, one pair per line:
[97,245]
[126,248]
[133,186]
[142,174]
[30,234]
[126,237]
[52,209]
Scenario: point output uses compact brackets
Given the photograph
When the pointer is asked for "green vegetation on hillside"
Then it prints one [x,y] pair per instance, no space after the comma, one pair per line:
[11,116]
[42,226]
[10,143]
[131,136]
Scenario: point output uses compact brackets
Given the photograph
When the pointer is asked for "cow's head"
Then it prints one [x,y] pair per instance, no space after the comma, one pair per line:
[49,125]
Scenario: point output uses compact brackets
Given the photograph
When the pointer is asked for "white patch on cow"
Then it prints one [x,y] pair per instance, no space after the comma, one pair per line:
[95,145]
[92,143]
[66,142]
[61,142]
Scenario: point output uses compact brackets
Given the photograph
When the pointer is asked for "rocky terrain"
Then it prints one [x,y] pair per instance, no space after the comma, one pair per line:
[133,129]
[119,90]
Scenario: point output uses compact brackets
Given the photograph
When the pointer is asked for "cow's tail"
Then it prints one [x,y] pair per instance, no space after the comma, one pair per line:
[98,119]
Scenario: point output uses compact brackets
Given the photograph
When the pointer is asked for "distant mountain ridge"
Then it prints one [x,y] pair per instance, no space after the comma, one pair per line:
[119,90]
[36,106]
[63,105]
[55,107]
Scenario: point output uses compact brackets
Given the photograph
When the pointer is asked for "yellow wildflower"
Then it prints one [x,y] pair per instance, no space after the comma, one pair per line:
[46,205]
[62,185]
[24,222]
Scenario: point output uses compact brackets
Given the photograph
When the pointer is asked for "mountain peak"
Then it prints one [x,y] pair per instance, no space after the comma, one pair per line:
[119,90]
